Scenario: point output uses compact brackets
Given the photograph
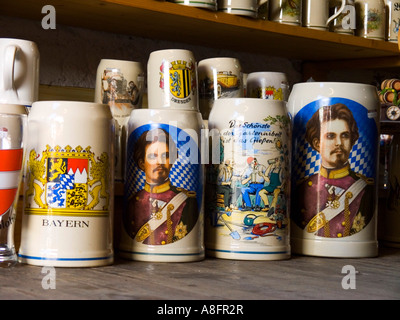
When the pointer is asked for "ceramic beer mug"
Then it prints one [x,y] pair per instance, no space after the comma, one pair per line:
[205,4]
[393,21]
[19,72]
[286,11]
[316,14]
[68,185]
[248,180]
[334,169]
[345,22]
[120,84]
[219,78]
[240,7]
[172,80]
[163,204]
[371,19]
[12,144]
[267,85]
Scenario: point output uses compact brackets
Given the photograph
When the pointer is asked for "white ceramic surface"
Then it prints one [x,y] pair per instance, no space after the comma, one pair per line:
[120,84]
[163,213]
[219,78]
[172,80]
[68,186]
[267,85]
[247,191]
[19,71]
[330,187]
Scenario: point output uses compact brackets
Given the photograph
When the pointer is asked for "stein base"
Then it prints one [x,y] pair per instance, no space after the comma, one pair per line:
[162,257]
[8,258]
[66,262]
[248,255]
[335,249]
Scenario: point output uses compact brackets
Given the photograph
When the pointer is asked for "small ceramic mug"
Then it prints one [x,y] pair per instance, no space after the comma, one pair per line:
[316,14]
[120,84]
[172,80]
[240,7]
[288,12]
[68,185]
[19,72]
[371,19]
[268,85]
[219,78]
[205,4]
[393,21]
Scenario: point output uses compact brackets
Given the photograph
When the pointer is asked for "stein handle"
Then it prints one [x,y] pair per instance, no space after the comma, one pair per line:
[9,63]
[334,16]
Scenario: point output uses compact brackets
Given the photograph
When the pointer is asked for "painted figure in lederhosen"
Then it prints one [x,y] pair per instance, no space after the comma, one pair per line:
[160,213]
[335,202]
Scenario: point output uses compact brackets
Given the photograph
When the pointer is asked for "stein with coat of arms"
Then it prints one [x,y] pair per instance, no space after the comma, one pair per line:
[68,185]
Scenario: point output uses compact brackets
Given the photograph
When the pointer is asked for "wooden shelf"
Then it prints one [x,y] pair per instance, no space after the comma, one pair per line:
[182,24]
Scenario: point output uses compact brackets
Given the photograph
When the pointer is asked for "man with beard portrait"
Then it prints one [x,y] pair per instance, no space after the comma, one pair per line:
[335,202]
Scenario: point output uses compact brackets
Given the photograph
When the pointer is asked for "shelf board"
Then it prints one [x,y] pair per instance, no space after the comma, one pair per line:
[183,24]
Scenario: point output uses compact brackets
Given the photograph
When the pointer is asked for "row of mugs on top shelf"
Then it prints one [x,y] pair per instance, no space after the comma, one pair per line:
[373,19]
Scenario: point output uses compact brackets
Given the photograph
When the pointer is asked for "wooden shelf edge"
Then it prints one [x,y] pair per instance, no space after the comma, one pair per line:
[179,23]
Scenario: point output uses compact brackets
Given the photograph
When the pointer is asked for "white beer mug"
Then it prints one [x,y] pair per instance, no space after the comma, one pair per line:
[163,208]
[68,185]
[334,169]
[172,80]
[19,72]
[267,85]
[316,14]
[219,78]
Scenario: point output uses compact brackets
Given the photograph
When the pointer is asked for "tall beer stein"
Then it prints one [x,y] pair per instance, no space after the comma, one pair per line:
[334,169]
[163,211]
[163,196]
[248,180]
[68,185]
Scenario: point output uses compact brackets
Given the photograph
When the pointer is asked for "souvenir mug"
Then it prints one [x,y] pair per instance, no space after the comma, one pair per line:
[345,22]
[240,7]
[393,21]
[267,85]
[316,14]
[371,19]
[219,78]
[285,11]
[248,180]
[120,84]
[12,144]
[163,200]
[68,185]
[334,169]
[172,80]
[205,4]
[19,72]
[389,218]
